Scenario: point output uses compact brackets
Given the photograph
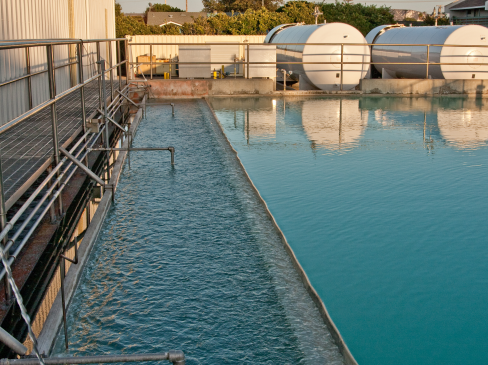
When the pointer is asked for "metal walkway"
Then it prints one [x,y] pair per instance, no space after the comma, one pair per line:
[28,146]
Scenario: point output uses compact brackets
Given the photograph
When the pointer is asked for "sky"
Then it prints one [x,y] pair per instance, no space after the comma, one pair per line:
[138,6]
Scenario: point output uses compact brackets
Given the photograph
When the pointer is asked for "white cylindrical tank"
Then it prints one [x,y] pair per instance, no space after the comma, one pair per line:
[325,76]
[472,35]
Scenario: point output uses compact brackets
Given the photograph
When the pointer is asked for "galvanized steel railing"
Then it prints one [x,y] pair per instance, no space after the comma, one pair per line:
[59,170]
[246,63]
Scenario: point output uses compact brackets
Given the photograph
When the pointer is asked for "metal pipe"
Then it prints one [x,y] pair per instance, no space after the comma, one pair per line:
[105,119]
[173,108]
[127,66]
[114,122]
[102,75]
[28,70]
[81,166]
[128,99]
[248,60]
[54,116]
[3,242]
[43,213]
[175,356]
[62,274]
[342,63]
[427,63]
[12,342]
[150,60]
[171,149]
[119,64]
[12,240]
[111,70]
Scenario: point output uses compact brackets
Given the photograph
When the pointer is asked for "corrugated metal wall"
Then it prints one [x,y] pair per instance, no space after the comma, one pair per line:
[47,19]
[172,51]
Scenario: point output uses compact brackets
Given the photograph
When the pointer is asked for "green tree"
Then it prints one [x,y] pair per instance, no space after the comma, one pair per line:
[163,8]
[430,20]
[239,5]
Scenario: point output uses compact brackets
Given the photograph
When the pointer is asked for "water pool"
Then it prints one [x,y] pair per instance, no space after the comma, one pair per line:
[187,259]
[384,202]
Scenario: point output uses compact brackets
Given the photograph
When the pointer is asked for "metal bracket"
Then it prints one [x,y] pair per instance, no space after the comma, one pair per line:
[93,125]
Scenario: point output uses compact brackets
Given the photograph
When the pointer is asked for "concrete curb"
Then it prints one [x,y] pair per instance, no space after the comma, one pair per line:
[348,357]
[54,320]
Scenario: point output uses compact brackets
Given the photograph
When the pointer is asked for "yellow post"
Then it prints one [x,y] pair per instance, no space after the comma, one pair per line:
[222,72]
[214,74]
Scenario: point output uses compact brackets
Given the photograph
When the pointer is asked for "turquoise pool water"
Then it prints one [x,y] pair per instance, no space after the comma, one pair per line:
[187,259]
[384,201]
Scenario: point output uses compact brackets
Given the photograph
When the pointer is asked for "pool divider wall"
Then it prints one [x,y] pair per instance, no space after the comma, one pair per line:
[346,353]
[54,320]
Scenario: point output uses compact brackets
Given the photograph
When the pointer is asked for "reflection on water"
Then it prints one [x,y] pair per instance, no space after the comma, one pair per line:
[333,124]
[342,123]
[392,230]
[466,128]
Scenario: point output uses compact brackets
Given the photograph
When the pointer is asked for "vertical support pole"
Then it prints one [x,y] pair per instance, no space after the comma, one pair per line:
[340,122]
[54,117]
[248,61]
[150,60]
[62,274]
[100,77]
[342,63]
[173,109]
[3,222]
[428,60]
[28,70]
[81,80]
[110,60]
[119,60]
[284,79]
[105,120]
[127,62]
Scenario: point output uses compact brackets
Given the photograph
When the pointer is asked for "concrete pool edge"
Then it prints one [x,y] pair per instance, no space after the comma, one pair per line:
[339,341]
[54,320]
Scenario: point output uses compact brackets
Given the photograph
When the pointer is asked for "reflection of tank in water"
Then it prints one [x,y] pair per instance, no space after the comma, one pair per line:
[466,128]
[259,118]
[333,123]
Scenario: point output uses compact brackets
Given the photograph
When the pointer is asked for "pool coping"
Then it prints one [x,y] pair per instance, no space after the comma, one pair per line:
[54,320]
[341,344]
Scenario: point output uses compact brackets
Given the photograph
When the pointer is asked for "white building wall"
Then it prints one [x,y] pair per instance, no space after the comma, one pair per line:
[167,51]
[47,19]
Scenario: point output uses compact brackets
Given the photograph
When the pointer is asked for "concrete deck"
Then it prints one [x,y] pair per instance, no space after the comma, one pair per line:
[425,87]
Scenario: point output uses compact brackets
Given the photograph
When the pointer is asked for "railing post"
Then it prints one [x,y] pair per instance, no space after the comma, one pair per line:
[29,81]
[342,64]
[101,76]
[119,60]
[81,80]
[105,120]
[150,60]
[427,68]
[127,62]
[248,61]
[62,274]
[110,60]
[3,222]
[54,116]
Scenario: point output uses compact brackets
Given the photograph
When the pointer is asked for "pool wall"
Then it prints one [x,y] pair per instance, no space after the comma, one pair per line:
[54,319]
[346,353]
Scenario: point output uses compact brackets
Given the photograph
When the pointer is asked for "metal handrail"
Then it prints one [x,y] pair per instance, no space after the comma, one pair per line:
[247,63]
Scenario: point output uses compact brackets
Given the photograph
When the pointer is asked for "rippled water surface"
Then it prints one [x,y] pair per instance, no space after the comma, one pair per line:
[385,202]
[187,259]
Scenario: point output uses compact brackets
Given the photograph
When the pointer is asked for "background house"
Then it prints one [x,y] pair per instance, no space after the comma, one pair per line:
[468,12]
